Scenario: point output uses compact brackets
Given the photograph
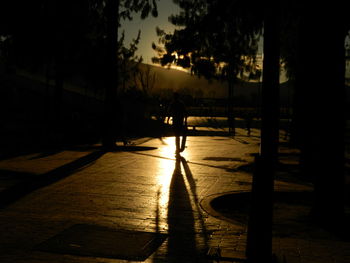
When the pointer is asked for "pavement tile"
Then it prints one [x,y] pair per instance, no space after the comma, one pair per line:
[143,191]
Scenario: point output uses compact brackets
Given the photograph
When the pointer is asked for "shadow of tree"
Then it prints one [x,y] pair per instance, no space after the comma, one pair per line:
[34,182]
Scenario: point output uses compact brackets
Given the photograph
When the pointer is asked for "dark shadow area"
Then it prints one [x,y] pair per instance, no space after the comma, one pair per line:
[86,147]
[7,174]
[98,147]
[181,241]
[193,189]
[291,214]
[134,148]
[26,117]
[157,212]
[240,140]
[222,133]
[15,148]
[127,148]
[207,133]
[285,172]
[248,168]
[103,242]
[46,154]
[225,159]
[48,151]
[34,182]
[29,125]
[287,168]
[157,219]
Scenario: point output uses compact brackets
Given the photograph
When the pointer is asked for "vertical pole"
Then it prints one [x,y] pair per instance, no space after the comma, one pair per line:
[110,118]
[270,87]
[323,123]
[259,242]
[231,114]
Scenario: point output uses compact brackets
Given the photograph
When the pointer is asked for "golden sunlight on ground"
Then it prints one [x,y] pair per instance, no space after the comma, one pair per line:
[166,166]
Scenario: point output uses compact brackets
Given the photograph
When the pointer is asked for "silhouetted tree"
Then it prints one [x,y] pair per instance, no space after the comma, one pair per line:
[312,47]
[145,79]
[46,33]
[129,62]
[321,104]
[259,242]
[218,39]
[114,10]
[65,35]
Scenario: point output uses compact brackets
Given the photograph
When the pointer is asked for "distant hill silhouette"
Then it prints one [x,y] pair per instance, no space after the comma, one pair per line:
[169,80]
[177,80]
[199,87]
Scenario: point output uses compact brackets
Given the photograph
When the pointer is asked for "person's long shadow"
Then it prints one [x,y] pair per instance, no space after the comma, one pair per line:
[35,182]
[193,189]
[181,225]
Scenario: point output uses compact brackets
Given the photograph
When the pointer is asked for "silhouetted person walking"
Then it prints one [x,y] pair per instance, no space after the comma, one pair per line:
[248,121]
[177,111]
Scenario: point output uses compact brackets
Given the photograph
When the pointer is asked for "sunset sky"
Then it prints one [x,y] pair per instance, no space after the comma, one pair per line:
[148,31]
[148,28]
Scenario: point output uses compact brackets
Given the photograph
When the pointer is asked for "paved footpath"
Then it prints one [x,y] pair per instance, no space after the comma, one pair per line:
[136,190]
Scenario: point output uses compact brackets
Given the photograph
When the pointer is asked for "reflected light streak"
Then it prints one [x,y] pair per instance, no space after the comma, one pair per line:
[165,171]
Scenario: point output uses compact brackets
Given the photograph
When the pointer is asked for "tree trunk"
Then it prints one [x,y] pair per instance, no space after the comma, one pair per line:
[230,104]
[110,118]
[59,81]
[58,45]
[259,242]
[321,80]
